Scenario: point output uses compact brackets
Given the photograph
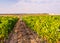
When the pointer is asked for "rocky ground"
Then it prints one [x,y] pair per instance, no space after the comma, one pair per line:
[22,34]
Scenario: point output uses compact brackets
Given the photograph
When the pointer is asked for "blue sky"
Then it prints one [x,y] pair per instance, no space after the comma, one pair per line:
[7,3]
[29,6]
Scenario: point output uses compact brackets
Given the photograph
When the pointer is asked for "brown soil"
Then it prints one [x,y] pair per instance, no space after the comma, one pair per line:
[22,34]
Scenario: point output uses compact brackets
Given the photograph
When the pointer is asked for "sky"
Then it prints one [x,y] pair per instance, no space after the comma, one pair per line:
[30,6]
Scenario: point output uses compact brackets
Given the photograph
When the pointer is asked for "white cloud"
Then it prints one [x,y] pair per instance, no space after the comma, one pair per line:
[24,7]
[32,7]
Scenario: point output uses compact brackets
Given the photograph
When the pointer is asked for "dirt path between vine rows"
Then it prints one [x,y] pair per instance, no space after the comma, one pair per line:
[22,34]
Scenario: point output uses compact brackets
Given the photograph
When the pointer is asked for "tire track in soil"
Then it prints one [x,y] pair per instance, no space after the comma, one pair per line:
[22,34]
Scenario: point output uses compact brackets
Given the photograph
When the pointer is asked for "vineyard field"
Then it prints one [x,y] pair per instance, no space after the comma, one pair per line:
[6,26]
[47,27]
[30,28]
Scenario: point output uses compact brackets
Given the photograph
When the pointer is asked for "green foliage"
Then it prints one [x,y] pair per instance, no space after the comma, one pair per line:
[45,26]
[6,25]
